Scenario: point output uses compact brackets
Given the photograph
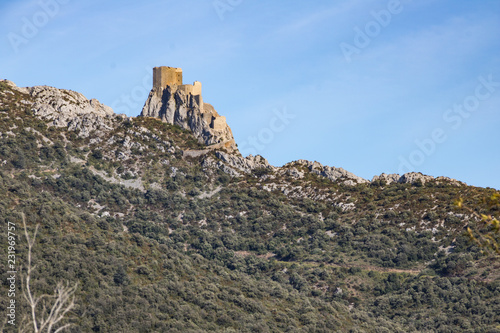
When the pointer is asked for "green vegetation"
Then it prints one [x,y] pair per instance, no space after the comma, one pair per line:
[485,231]
[195,250]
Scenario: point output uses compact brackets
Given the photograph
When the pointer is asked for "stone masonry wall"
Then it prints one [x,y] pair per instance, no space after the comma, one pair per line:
[166,76]
[193,89]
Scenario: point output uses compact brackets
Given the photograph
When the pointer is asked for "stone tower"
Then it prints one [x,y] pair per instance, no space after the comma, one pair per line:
[170,76]
[166,76]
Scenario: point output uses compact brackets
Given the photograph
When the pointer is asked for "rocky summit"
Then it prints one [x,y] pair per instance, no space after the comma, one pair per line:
[157,223]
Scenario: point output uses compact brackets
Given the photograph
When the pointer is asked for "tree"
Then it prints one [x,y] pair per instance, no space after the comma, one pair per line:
[48,312]
[486,233]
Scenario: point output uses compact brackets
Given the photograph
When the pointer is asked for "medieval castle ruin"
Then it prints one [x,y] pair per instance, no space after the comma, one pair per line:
[182,104]
[169,76]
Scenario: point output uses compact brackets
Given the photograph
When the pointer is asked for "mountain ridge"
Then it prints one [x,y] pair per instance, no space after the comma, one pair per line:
[172,106]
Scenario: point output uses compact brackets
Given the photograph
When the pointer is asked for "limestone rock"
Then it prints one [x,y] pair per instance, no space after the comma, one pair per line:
[414,177]
[14,86]
[210,163]
[66,108]
[175,106]
[411,178]
[332,173]
[244,164]
[294,173]
[450,180]
[391,178]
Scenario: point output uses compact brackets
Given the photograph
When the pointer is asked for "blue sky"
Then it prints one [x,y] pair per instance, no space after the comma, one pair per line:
[370,86]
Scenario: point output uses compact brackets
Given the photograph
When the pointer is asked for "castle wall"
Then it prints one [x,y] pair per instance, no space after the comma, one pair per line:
[166,76]
[196,88]
[193,89]
[219,123]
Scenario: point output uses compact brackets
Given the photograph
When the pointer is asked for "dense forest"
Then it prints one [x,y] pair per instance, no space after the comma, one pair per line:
[158,241]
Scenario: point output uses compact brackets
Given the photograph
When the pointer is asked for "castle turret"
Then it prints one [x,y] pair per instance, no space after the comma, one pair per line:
[170,76]
[166,76]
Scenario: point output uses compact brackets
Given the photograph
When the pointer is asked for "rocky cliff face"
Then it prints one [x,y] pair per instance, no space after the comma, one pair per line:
[189,112]
[66,108]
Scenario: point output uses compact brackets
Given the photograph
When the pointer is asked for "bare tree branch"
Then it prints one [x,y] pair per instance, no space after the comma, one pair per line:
[64,298]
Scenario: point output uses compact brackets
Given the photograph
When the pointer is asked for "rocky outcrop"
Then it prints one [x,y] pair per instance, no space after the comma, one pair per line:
[188,111]
[388,179]
[244,164]
[332,173]
[66,108]
[236,165]
[411,178]
[414,177]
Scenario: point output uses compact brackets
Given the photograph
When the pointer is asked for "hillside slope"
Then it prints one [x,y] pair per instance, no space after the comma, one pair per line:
[164,234]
